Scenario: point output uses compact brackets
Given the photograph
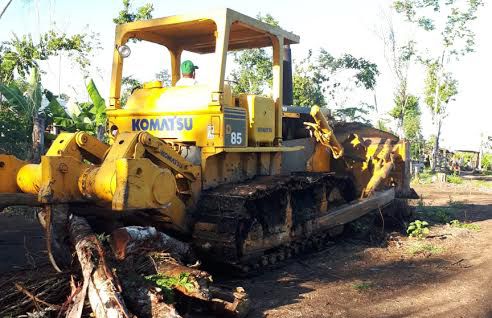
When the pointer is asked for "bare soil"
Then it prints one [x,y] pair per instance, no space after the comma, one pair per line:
[450,277]
[353,279]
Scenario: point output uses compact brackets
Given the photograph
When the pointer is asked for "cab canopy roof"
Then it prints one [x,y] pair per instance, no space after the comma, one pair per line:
[197,32]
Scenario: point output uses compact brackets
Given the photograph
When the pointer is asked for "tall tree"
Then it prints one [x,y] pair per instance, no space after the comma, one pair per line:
[407,112]
[451,20]
[127,14]
[253,73]
[447,88]
[344,78]
[399,53]
[28,106]
[307,83]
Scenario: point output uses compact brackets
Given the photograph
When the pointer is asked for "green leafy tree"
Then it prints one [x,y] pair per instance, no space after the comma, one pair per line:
[127,14]
[447,88]
[89,116]
[407,113]
[21,54]
[342,77]
[450,20]
[28,105]
[307,84]
[253,73]
[317,80]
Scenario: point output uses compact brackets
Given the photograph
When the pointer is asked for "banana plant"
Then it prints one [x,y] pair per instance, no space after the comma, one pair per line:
[89,117]
[28,105]
[98,109]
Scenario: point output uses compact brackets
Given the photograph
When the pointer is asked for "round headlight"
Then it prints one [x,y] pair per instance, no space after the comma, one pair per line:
[124,51]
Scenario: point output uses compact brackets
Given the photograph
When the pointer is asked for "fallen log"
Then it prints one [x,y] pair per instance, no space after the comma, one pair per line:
[226,303]
[102,287]
[137,239]
[189,281]
[143,300]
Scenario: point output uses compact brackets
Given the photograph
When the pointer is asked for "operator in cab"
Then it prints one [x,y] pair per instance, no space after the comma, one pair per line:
[187,74]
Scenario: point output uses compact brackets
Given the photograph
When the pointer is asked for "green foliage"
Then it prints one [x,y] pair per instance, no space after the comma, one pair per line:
[454,179]
[128,85]
[487,161]
[127,14]
[15,136]
[358,114]
[455,31]
[99,104]
[407,112]
[167,283]
[363,286]
[448,88]
[418,229]
[26,104]
[382,124]
[425,177]
[87,116]
[424,248]
[468,226]
[314,78]
[21,55]
[254,67]
[366,72]
[307,84]
[437,214]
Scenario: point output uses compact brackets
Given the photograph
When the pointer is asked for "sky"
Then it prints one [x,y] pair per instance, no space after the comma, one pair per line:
[338,26]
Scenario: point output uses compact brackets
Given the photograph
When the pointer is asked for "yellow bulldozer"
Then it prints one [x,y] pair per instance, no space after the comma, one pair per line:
[248,179]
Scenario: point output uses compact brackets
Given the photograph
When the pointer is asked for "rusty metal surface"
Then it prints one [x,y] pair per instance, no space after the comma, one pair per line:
[241,223]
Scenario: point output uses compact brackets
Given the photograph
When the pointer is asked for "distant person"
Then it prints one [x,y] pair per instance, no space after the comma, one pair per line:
[187,74]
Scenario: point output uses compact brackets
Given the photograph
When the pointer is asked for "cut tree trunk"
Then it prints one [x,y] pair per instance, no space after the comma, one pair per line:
[143,300]
[37,138]
[226,303]
[137,239]
[197,281]
[103,289]
[435,154]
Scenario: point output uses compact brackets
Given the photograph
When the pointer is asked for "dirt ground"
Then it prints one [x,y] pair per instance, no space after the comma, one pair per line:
[447,274]
[451,276]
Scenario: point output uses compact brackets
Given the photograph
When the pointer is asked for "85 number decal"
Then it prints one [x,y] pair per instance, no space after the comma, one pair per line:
[236,138]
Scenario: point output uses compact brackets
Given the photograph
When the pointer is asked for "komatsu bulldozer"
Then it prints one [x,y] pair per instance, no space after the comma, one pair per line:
[248,179]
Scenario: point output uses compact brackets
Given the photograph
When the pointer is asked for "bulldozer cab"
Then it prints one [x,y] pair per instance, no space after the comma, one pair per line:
[207,115]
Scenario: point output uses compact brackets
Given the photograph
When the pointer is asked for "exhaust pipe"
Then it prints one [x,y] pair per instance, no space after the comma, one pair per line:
[288,97]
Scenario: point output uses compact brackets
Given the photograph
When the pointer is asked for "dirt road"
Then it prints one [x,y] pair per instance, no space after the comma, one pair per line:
[448,274]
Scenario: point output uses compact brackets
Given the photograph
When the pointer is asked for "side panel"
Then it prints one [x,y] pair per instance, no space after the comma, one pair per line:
[235,133]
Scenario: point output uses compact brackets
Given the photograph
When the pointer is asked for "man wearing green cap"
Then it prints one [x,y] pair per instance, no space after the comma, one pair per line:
[187,74]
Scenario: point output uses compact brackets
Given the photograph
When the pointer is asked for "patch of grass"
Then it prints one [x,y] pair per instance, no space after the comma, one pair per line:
[454,179]
[425,177]
[423,248]
[363,286]
[418,229]
[438,214]
[468,226]
[167,283]
[481,184]
[456,204]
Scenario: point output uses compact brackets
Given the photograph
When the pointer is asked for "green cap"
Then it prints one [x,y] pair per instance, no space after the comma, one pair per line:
[187,67]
